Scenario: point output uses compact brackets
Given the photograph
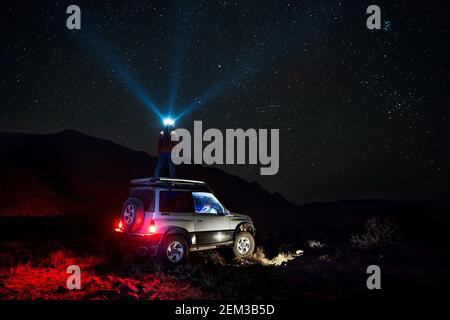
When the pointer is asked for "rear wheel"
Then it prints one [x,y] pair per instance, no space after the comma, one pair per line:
[244,245]
[173,250]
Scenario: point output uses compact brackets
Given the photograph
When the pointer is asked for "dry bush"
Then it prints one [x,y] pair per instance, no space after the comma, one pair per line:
[59,258]
[315,244]
[213,257]
[379,233]
[65,258]
[282,258]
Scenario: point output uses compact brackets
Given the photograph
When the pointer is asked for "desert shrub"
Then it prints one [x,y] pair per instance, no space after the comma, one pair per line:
[64,258]
[259,257]
[59,258]
[315,244]
[214,257]
[378,233]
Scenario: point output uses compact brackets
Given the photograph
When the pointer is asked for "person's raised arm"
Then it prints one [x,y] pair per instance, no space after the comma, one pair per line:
[173,139]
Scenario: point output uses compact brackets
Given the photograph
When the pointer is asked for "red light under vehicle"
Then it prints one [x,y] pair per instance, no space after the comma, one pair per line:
[152,228]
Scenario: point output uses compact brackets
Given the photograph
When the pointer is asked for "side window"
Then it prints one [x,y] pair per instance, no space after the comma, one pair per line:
[146,196]
[175,201]
[206,203]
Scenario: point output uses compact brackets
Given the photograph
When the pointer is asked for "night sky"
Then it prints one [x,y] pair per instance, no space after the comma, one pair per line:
[362,114]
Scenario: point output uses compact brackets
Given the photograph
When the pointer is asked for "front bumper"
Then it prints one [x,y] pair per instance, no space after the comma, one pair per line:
[138,240]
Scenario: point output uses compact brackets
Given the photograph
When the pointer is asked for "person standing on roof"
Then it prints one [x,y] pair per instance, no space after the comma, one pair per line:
[166,142]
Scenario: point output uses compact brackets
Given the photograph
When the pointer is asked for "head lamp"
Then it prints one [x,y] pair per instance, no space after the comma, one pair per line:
[168,122]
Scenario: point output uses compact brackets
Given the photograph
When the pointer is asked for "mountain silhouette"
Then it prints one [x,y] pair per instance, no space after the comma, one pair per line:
[73,173]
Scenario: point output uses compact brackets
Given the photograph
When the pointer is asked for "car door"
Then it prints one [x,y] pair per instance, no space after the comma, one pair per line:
[211,221]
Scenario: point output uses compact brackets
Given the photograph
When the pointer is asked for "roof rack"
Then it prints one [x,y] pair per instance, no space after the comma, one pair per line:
[154,181]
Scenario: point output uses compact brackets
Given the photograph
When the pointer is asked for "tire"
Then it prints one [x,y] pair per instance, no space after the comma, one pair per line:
[132,215]
[244,245]
[174,250]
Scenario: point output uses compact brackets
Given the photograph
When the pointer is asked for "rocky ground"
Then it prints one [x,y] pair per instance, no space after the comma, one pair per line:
[207,276]
[34,261]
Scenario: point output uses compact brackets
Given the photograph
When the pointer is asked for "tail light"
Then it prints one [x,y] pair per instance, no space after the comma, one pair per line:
[120,224]
[152,228]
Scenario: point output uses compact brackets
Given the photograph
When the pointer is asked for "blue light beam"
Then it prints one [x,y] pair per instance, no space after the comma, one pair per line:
[179,47]
[242,72]
[113,63]
[260,56]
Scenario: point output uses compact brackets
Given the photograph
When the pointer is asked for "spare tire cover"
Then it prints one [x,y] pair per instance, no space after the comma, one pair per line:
[132,215]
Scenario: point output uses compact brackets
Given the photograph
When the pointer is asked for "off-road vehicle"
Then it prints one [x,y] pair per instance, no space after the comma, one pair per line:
[169,218]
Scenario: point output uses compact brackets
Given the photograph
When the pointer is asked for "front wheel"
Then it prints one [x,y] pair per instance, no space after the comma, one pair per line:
[244,245]
[173,250]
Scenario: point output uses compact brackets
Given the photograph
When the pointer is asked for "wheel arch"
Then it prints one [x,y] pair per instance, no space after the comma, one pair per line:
[178,231]
[244,227]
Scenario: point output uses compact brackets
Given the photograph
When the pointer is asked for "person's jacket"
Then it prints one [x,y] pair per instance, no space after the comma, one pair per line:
[165,143]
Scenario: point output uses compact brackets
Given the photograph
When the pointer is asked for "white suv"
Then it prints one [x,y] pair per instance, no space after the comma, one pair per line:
[170,217]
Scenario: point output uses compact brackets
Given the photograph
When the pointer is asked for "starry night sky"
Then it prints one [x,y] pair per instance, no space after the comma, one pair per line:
[362,114]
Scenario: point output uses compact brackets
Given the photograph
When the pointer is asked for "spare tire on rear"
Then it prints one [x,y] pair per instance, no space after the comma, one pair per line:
[132,215]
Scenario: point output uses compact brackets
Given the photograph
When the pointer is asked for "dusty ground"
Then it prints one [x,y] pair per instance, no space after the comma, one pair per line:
[33,262]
